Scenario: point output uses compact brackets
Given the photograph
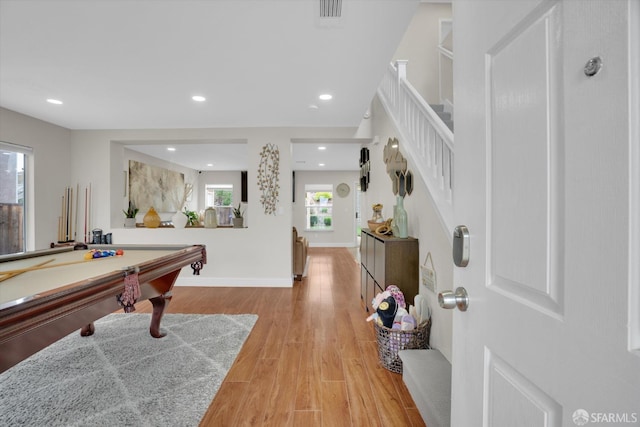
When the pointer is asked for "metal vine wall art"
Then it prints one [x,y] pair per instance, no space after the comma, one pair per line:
[268,176]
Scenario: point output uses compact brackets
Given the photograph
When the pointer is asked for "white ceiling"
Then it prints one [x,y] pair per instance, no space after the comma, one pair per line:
[134,64]
[337,155]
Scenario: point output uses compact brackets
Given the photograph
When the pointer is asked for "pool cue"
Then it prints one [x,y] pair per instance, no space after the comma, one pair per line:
[65,218]
[65,222]
[70,234]
[13,273]
[75,221]
[64,215]
[89,237]
[85,215]
[60,220]
[34,268]
[69,212]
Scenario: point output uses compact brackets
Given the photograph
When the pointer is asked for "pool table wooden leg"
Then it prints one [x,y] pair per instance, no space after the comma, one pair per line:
[87,330]
[159,304]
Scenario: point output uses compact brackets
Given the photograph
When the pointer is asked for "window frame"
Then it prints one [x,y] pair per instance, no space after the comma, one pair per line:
[310,206]
[224,213]
[27,159]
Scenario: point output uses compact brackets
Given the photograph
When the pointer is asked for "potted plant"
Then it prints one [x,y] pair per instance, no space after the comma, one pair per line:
[192,218]
[238,217]
[130,216]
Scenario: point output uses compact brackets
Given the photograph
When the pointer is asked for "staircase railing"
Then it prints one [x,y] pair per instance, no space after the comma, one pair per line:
[424,137]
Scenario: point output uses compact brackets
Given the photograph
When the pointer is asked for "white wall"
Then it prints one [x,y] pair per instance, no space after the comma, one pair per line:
[259,255]
[215,178]
[190,176]
[48,172]
[344,225]
[424,224]
[419,47]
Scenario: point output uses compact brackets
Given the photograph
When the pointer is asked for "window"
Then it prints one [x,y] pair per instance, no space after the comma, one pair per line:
[319,205]
[220,196]
[13,159]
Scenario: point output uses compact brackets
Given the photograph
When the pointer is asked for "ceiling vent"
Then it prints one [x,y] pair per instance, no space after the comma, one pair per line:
[330,8]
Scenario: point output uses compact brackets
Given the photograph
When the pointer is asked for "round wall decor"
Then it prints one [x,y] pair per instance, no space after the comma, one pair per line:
[343,190]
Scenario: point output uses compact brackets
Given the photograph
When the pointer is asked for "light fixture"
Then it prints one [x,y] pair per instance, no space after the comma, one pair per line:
[321,164]
[209,164]
[171,149]
[198,98]
[322,148]
[54,101]
[325,97]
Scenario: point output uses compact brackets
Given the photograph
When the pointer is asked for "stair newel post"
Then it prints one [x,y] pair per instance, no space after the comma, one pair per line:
[401,66]
[401,74]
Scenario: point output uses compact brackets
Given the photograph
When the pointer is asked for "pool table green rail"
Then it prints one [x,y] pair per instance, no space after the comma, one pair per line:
[28,326]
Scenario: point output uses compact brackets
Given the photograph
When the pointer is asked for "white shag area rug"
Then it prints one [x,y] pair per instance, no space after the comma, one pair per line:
[123,376]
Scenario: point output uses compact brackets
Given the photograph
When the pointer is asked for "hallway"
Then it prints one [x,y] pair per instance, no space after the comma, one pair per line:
[311,359]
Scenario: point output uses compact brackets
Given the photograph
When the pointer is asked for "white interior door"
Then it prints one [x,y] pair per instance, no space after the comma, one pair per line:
[542,181]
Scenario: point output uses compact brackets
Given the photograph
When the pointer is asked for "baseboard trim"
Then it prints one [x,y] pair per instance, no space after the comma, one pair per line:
[247,282]
[334,245]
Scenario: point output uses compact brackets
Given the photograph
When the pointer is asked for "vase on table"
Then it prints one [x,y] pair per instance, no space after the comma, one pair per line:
[394,223]
[401,218]
[179,220]
[151,219]
[377,213]
[210,218]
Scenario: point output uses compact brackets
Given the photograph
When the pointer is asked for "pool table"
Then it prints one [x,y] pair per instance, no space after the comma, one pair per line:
[47,294]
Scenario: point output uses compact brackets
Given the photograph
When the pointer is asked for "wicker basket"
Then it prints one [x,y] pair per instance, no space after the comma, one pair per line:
[391,341]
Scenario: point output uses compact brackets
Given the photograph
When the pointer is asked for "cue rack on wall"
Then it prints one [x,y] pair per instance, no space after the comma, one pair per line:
[69,211]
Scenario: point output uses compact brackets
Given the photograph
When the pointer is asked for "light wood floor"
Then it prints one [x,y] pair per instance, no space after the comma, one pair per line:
[311,358]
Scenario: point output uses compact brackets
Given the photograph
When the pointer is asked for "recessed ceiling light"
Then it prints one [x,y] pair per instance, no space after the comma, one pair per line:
[198,98]
[325,97]
[322,148]
[209,164]
[54,101]
[171,149]
[320,164]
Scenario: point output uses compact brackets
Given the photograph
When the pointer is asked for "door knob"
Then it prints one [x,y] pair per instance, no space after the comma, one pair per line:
[450,299]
